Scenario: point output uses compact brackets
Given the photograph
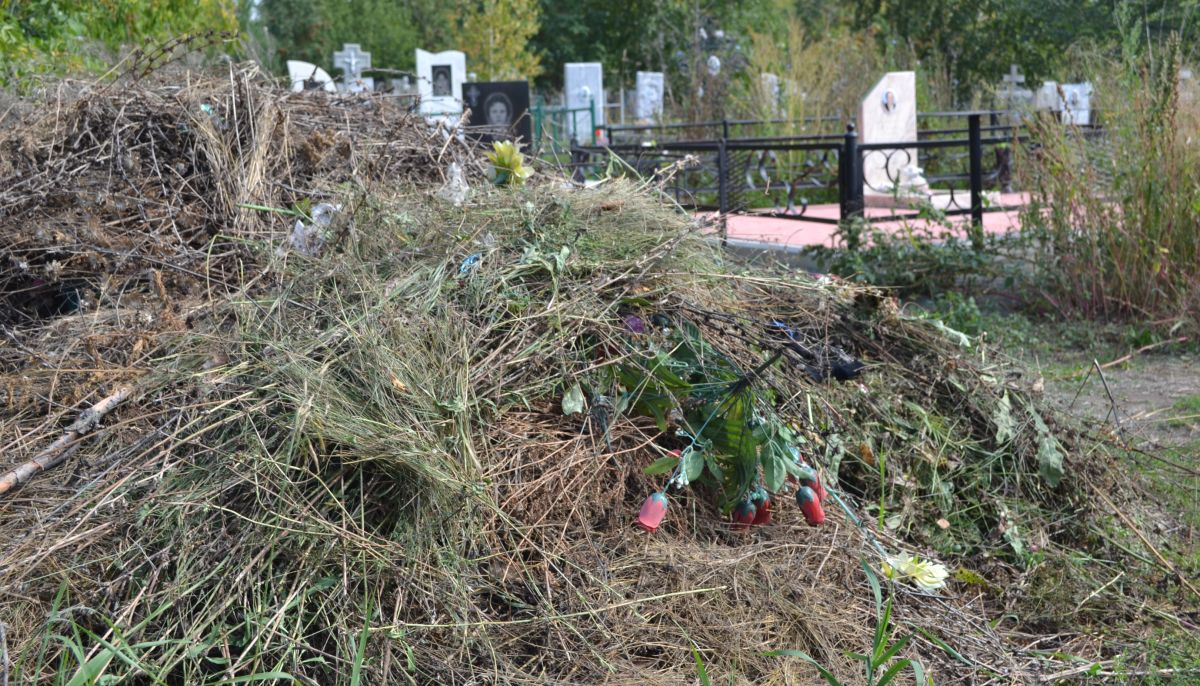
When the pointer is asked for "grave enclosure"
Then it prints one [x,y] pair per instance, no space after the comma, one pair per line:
[886,165]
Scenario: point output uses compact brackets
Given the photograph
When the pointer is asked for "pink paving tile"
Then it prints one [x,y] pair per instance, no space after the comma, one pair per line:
[800,233]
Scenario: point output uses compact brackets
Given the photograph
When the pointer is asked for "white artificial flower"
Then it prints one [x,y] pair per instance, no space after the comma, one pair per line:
[928,575]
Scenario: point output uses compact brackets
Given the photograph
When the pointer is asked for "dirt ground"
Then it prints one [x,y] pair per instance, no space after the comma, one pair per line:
[1156,398]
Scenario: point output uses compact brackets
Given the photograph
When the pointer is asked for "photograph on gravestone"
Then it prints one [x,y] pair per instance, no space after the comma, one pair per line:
[443,76]
[499,110]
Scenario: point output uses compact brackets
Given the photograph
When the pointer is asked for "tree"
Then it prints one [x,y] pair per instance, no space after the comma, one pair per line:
[495,36]
[60,36]
[311,30]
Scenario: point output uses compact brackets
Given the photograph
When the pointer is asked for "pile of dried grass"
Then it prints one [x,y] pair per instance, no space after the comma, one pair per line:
[354,467]
[123,205]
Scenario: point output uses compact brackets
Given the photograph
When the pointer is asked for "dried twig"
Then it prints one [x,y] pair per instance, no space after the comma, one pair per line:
[1145,541]
[1143,349]
[57,451]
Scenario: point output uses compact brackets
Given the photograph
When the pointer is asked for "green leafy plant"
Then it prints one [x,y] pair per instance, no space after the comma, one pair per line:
[508,164]
[883,649]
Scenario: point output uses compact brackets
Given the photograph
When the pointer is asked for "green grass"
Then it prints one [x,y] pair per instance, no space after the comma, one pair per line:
[1187,411]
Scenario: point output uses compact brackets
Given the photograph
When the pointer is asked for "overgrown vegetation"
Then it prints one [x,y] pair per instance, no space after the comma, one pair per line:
[348,460]
[1114,224]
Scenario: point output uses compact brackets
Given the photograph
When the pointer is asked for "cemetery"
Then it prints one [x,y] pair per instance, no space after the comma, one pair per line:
[758,351]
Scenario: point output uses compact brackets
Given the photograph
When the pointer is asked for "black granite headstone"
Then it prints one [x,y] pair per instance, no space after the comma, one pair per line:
[499,110]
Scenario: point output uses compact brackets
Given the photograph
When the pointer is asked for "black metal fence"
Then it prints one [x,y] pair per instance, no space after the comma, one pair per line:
[731,174]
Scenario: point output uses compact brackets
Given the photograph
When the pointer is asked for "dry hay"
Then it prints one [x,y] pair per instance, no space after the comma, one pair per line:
[357,463]
[122,206]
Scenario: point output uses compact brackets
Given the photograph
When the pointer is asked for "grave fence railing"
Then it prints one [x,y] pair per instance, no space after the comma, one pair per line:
[967,171]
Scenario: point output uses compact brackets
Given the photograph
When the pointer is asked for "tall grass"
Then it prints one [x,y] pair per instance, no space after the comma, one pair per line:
[1115,218]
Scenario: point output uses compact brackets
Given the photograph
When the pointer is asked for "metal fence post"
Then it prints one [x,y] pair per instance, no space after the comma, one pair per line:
[722,178]
[850,182]
[725,129]
[976,157]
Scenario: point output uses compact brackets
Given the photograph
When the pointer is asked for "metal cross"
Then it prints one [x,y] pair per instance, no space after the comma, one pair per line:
[352,60]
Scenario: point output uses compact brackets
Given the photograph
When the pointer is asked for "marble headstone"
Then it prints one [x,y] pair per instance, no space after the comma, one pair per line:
[649,95]
[440,78]
[308,76]
[1077,103]
[584,91]
[500,110]
[770,91]
[352,61]
[888,115]
[1047,98]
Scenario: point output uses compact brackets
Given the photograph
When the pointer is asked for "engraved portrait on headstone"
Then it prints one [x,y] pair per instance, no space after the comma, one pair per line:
[442,78]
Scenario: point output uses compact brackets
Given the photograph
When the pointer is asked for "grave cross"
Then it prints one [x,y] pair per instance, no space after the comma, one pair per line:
[352,60]
[1011,80]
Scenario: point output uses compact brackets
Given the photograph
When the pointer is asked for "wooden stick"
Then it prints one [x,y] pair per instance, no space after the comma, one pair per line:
[1145,541]
[1144,348]
[57,451]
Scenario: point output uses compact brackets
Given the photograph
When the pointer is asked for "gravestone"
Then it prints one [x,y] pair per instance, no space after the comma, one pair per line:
[352,61]
[1047,98]
[769,90]
[649,95]
[1016,97]
[500,110]
[308,76]
[1077,104]
[584,91]
[440,79]
[888,115]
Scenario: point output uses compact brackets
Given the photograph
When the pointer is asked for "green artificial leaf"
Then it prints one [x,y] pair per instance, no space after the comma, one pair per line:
[1006,426]
[662,465]
[774,468]
[1050,460]
[693,464]
[573,401]
[1050,456]
[714,467]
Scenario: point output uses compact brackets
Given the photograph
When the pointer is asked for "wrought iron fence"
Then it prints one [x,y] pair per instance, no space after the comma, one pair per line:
[785,177]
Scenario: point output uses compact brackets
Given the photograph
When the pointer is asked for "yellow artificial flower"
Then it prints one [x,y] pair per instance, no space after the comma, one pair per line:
[928,575]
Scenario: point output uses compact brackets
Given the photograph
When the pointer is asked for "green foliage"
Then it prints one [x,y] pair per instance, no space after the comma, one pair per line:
[311,30]
[735,439]
[57,37]
[1112,226]
[922,259]
[495,36]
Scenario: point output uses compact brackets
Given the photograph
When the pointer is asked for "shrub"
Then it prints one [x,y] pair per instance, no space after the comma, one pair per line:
[1113,223]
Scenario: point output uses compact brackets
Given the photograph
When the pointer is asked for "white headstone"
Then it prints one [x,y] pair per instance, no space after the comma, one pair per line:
[301,72]
[584,91]
[888,115]
[1077,105]
[352,61]
[440,78]
[770,91]
[649,95]
[1047,98]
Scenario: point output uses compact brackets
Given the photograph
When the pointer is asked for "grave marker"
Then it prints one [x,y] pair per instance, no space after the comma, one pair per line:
[584,91]
[1077,104]
[440,79]
[308,76]
[352,61]
[888,115]
[649,95]
[500,110]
